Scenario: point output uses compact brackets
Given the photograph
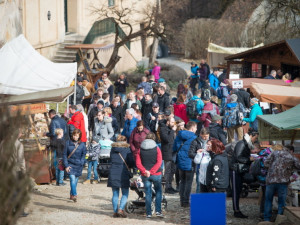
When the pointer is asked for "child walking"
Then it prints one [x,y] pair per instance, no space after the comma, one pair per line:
[92,158]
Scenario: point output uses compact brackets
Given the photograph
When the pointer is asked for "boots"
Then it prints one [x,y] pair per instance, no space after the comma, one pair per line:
[87,182]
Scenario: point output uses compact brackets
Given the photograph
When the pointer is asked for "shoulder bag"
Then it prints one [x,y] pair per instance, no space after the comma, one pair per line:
[129,171]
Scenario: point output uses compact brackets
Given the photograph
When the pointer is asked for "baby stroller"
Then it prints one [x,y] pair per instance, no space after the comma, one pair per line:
[104,158]
[140,202]
[250,184]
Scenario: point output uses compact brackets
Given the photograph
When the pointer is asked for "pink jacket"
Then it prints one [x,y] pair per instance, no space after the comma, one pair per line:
[155,72]
[180,111]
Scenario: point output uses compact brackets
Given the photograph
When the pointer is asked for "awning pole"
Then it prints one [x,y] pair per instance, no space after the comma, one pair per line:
[56,107]
[75,90]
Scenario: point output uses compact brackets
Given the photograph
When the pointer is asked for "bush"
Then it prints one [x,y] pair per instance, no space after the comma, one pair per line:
[171,73]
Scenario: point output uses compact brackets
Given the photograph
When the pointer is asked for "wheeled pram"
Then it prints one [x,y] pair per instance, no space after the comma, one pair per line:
[140,202]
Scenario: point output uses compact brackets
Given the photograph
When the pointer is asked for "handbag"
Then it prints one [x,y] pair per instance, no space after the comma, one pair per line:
[61,166]
[129,171]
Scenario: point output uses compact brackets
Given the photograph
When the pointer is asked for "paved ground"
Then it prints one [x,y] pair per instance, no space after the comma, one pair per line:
[50,205]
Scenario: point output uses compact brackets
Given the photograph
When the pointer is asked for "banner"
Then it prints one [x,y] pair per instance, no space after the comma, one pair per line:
[28,109]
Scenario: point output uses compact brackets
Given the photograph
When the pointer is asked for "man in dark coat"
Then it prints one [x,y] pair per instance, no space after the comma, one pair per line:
[146,106]
[93,114]
[243,97]
[117,112]
[167,136]
[163,99]
[151,118]
[216,130]
[79,92]
[57,122]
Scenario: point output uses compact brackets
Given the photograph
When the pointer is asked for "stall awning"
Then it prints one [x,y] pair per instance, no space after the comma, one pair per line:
[248,81]
[24,70]
[228,50]
[286,96]
[56,95]
[287,120]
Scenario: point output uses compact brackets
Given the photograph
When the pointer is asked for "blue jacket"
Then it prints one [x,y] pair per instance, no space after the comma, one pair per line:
[255,111]
[76,161]
[128,127]
[214,81]
[58,122]
[269,77]
[184,162]
[194,69]
[199,106]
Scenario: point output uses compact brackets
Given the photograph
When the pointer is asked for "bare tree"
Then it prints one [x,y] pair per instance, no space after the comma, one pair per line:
[121,16]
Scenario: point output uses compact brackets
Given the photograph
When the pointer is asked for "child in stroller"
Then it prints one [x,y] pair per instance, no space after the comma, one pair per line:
[138,186]
[104,158]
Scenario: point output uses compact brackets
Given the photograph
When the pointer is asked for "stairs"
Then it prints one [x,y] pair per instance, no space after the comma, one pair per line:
[63,55]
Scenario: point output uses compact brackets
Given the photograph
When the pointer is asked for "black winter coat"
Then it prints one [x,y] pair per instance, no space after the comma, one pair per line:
[167,137]
[216,131]
[118,174]
[151,124]
[146,108]
[217,174]
[121,88]
[243,97]
[118,114]
[241,154]
[163,102]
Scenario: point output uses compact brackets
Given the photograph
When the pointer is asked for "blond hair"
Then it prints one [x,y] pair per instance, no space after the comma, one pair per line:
[277,147]
[59,131]
[107,110]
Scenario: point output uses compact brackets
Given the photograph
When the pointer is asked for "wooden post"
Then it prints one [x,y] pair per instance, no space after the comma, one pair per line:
[35,133]
[293,137]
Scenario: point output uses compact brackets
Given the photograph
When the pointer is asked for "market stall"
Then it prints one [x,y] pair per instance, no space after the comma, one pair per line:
[248,81]
[35,143]
[285,96]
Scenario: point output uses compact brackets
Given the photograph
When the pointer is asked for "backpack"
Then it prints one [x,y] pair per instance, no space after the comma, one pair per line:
[206,93]
[232,116]
[220,92]
[191,109]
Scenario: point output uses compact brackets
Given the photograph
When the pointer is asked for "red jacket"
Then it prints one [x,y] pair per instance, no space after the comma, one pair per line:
[153,170]
[206,115]
[180,111]
[78,122]
[136,138]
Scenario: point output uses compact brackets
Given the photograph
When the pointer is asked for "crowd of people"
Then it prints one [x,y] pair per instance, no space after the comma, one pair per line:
[199,131]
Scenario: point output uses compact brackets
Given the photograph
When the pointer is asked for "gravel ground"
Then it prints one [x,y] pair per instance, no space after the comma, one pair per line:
[49,204]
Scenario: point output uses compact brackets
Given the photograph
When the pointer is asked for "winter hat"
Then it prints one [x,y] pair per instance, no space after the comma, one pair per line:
[254,100]
[79,79]
[96,139]
[100,102]
[161,80]
[233,97]
[216,118]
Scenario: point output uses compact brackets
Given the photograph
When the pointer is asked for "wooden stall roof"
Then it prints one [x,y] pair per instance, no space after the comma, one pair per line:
[90,46]
[248,81]
[292,44]
[55,95]
[286,96]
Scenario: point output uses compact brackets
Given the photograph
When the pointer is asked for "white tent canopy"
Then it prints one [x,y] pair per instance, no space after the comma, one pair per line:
[24,70]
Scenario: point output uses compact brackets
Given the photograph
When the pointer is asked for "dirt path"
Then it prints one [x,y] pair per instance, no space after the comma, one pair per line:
[49,204]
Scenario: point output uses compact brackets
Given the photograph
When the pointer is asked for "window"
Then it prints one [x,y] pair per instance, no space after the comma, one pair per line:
[111,3]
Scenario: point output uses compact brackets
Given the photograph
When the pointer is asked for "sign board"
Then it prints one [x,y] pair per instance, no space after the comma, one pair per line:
[269,133]
[237,84]
[234,76]
[27,109]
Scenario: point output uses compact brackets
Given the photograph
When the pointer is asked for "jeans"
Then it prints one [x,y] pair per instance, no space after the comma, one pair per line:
[115,198]
[156,180]
[59,175]
[201,84]
[123,96]
[271,189]
[186,180]
[94,164]
[170,169]
[237,186]
[73,184]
